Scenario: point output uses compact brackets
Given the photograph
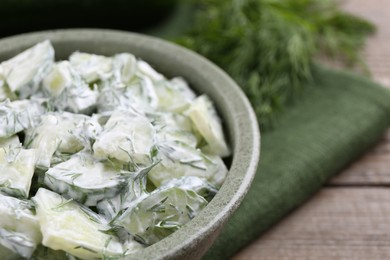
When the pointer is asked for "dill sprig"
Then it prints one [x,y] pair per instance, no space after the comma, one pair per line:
[268,46]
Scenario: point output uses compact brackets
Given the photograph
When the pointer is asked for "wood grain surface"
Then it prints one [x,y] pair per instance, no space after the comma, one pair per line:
[372,169]
[338,223]
[350,217]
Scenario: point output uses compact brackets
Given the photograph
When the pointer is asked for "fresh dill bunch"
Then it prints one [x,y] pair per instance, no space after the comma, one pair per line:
[268,46]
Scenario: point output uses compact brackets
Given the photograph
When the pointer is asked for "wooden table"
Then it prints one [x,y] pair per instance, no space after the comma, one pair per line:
[350,217]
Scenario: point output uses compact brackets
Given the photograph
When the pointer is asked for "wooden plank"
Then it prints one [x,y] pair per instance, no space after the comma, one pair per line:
[376,11]
[377,51]
[338,223]
[373,168]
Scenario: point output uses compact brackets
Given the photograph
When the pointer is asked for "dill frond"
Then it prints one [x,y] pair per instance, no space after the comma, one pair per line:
[268,46]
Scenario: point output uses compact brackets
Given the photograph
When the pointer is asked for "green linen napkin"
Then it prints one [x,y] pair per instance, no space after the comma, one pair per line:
[337,118]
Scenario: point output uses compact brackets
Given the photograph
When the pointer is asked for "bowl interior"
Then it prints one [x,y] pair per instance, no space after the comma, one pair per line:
[239,121]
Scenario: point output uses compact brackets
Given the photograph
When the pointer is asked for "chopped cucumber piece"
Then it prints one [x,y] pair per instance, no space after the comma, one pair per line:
[91,67]
[16,170]
[68,226]
[24,72]
[57,158]
[85,179]
[171,120]
[199,185]
[124,67]
[137,94]
[148,93]
[19,227]
[152,218]
[173,127]
[127,137]
[55,133]
[19,115]
[12,141]
[111,208]
[174,95]
[111,98]
[170,134]
[147,71]
[44,140]
[87,130]
[68,90]
[179,159]
[205,118]
[5,92]
[67,125]
[57,79]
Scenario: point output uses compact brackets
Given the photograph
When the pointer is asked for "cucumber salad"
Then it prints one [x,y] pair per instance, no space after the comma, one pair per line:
[100,156]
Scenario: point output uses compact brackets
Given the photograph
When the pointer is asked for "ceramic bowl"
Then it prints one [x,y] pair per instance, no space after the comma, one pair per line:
[194,238]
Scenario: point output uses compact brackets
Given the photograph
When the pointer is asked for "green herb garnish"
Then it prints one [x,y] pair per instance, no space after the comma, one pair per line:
[268,46]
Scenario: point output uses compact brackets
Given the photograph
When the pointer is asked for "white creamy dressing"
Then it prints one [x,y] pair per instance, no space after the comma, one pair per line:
[112,155]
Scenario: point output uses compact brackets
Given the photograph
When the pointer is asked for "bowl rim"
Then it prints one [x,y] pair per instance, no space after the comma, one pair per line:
[246,146]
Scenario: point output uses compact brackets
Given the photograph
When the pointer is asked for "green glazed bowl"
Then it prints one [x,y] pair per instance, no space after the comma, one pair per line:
[195,238]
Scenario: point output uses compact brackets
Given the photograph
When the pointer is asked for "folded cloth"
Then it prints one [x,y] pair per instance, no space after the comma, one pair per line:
[337,118]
